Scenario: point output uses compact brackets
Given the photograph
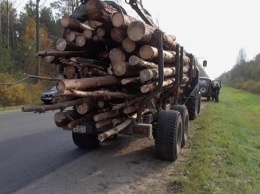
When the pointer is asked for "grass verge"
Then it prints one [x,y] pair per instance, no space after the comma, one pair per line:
[224,146]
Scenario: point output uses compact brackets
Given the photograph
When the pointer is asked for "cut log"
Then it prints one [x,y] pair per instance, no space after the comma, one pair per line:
[129,45]
[134,60]
[87,83]
[69,72]
[100,11]
[74,25]
[121,20]
[61,119]
[107,115]
[62,53]
[100,32]
[72,35]
[64,45]
[81,120]
[90,61]
[88,33]
[95,94]
[117,121]
[145,34]
[121,68]
[150,74]
[128,103]
[80,41]
[130,80]
[150,87]
[103,123]
[117,54]
[51,60]
[115,130]
[118,35]
[151,53]
[94,24]
[130,109]
[97,72]
[87,106]
[44,108]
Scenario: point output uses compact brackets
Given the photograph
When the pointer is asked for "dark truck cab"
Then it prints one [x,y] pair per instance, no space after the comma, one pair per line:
[205,87]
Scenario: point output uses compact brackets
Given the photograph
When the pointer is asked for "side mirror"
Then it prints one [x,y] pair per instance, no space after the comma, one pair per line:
[204,63]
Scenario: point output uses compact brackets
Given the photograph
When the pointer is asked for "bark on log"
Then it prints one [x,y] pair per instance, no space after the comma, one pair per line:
[118,35]
[145,34]
[107,115]
[129,45]
[151,53]
[128,103]
[87,83]
[90,61]
[150,74]
[134,60]
[97,72]
[103,123]
[121,68]
[130,109]
[61,119]
[62,53]
[121,20]
[100,11]
[150,87]
[95,94]
[44,108]
[117,121]
[74,25]
[115,130]
[81,120]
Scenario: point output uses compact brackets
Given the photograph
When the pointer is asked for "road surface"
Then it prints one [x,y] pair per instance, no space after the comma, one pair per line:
[38,157]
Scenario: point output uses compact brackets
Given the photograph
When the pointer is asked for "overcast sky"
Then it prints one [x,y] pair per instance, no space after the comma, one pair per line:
[212,29]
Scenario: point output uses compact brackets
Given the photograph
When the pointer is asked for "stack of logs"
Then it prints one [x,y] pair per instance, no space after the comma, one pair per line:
[110,63]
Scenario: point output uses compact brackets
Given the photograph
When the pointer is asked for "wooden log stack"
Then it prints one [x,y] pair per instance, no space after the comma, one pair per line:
[110,64]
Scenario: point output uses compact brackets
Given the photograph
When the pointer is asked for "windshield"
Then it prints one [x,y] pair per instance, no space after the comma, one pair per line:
[54,88]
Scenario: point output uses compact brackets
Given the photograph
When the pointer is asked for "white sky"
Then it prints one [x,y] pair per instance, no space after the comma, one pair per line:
[213,29]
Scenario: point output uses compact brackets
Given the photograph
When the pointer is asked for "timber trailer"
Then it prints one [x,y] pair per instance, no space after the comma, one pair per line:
[161,114]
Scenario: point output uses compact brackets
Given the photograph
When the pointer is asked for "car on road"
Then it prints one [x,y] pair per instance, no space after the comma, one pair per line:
[205,87]
[47,97]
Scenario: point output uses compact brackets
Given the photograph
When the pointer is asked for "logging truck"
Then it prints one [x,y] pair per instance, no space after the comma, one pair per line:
[122,75]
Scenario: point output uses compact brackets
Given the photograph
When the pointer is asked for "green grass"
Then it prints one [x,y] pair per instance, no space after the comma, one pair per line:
[224,144]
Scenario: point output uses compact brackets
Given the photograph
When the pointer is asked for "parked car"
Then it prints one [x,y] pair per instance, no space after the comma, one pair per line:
[205,87]
[47,97]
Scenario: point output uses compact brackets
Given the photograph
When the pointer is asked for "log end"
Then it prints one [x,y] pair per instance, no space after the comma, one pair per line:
[61,86]
[136,30]
[147,52]
[118,19]
[128,44]
[61,44]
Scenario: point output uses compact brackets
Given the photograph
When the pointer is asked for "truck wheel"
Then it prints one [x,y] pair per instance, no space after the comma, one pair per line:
[168,133]
[192,105]
[86,140]
[185,122]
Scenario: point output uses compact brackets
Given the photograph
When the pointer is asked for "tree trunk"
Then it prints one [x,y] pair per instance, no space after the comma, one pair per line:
[121,20]
[115,130]
[121,68]
[61,119]
[129,45]
[62,53]
[151,53]
[130,80]
[107,115]
[150,74]
[117,54]
[74,25]
[134,60]
[118,35]
[87,83]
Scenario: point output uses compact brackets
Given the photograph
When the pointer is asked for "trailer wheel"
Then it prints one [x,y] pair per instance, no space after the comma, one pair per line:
[185,122]
[192,105]
[168,133]
[86,140]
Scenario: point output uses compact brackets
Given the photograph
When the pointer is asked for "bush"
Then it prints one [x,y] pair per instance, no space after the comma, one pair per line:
[19,94]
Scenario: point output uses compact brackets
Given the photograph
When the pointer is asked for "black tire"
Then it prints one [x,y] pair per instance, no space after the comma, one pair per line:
[185,122]
[86,140]
[192,105]
[168,133]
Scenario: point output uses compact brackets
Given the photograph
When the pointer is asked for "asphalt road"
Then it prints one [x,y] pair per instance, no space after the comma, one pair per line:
[38,157]
[31,146]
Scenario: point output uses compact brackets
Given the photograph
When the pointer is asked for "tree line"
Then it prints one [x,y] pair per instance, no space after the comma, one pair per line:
[245,74]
